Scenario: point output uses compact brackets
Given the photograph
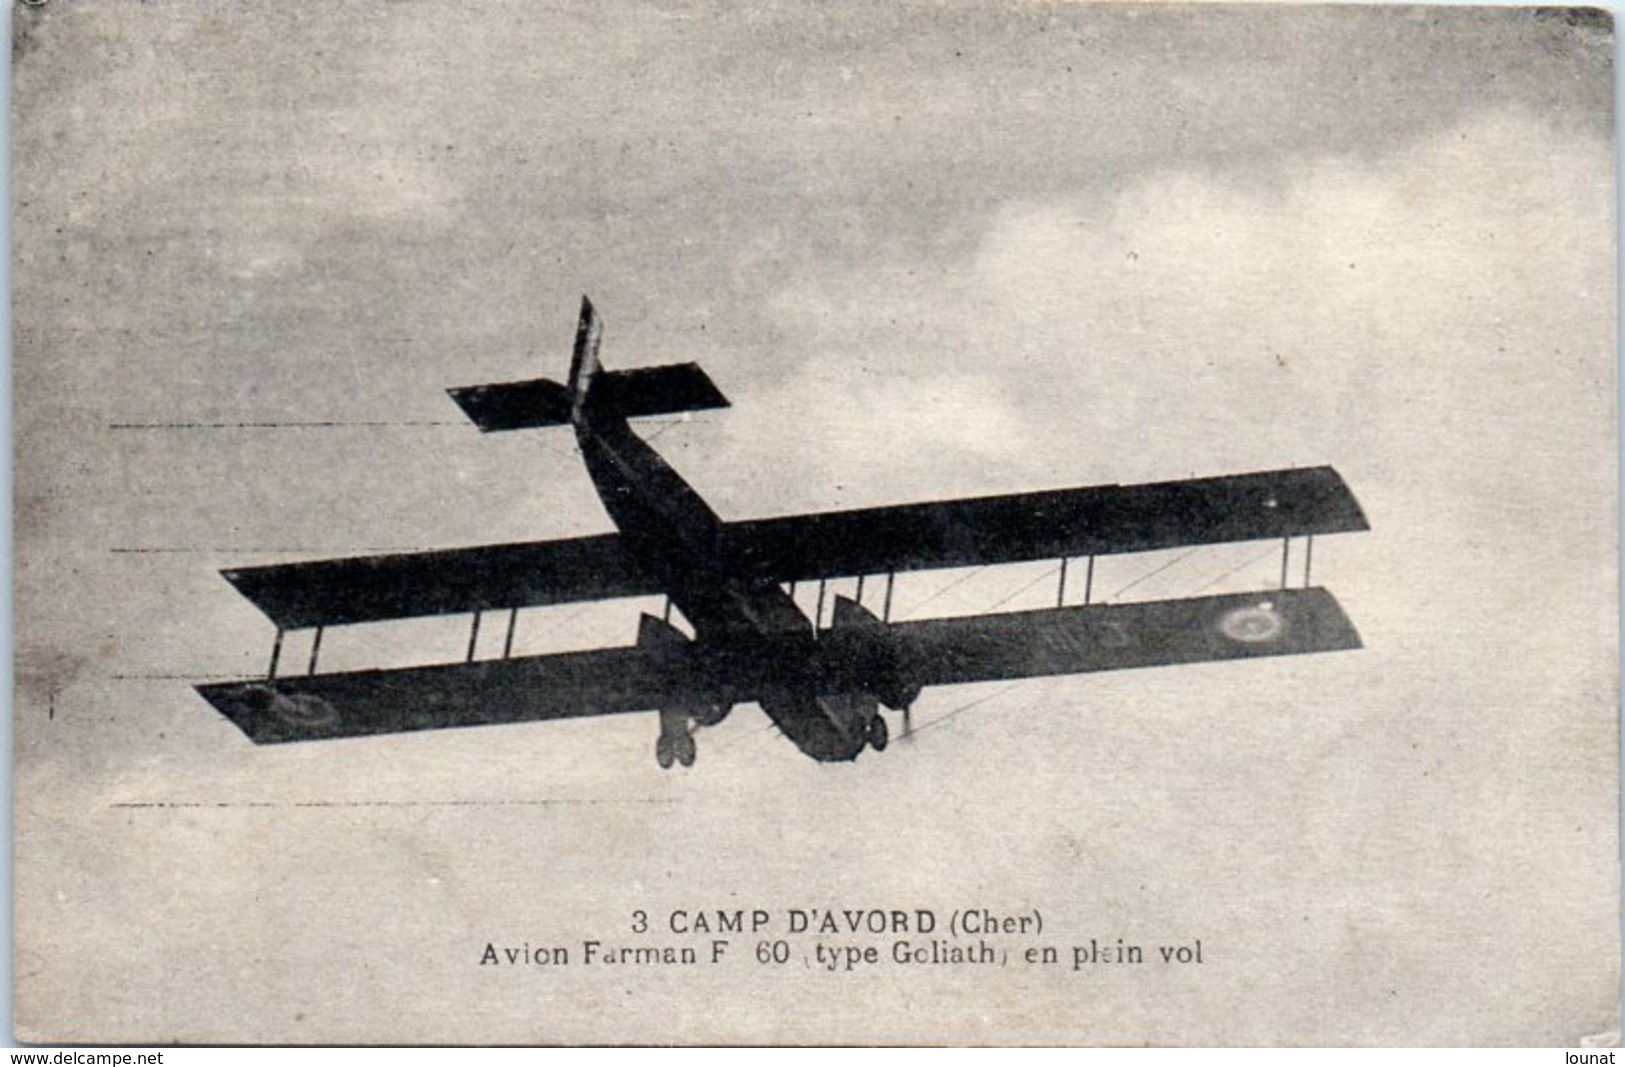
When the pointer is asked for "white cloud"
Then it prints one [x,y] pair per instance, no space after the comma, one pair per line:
[1448,306]
[845,433]
[1456,291]
[1436,322]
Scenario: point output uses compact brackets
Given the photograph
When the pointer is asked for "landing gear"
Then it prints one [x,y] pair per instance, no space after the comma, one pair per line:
[676,742]
[675,748]
[877,733]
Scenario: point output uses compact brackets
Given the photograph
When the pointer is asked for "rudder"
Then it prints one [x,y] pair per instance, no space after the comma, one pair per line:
[584,360]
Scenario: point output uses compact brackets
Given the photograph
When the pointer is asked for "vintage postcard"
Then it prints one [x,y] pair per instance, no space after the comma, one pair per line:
[985,522]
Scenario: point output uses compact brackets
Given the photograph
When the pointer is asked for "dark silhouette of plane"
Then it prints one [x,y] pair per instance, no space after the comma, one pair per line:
[822,682]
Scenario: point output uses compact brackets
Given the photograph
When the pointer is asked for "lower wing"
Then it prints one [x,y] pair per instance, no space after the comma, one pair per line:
[640,678]
[488,692]
[1104,637]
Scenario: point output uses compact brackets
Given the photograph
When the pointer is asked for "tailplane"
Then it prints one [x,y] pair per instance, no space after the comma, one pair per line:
[592,393]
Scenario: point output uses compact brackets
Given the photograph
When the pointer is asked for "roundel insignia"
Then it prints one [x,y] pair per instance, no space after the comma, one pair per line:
[1254,624]
[304,709]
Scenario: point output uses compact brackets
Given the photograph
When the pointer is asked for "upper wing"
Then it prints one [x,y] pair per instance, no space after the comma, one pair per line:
[561,686]
[1000,529]
[371,588]
[1099,520]
[1104,637]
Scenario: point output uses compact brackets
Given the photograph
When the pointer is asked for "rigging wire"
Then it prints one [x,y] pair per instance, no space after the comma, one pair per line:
[1238,567]
[961,580]
[572,453]
[666,424]
[1150,574]
[1003,689]
[1011,596]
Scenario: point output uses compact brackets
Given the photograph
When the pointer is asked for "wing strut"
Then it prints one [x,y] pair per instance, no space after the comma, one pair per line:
[315,649]
[276,654]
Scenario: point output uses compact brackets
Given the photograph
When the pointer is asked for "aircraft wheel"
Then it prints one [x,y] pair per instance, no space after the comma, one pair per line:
[664,752]
[878,733]
[710,715]
[685,749]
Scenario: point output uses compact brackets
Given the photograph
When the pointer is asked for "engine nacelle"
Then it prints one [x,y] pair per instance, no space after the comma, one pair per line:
[860,651]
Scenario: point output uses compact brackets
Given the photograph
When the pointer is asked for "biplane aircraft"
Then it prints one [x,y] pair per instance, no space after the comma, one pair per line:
[822,681]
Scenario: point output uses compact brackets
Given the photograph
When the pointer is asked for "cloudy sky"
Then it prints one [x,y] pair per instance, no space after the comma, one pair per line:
[926,250]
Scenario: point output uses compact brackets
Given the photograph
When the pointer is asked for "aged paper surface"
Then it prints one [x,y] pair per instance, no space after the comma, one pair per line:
[927,252]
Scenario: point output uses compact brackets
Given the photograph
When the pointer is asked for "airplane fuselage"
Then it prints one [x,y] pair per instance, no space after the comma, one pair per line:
[673,532]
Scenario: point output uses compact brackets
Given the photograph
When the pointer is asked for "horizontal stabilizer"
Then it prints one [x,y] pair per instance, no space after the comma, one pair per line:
[514,405]
[630,394]
[623,394]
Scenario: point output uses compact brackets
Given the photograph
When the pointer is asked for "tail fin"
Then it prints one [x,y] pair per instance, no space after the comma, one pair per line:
[592,393]
[584,361]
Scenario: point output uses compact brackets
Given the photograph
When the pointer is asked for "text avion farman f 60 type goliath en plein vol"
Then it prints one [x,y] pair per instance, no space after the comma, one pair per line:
[822,679]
